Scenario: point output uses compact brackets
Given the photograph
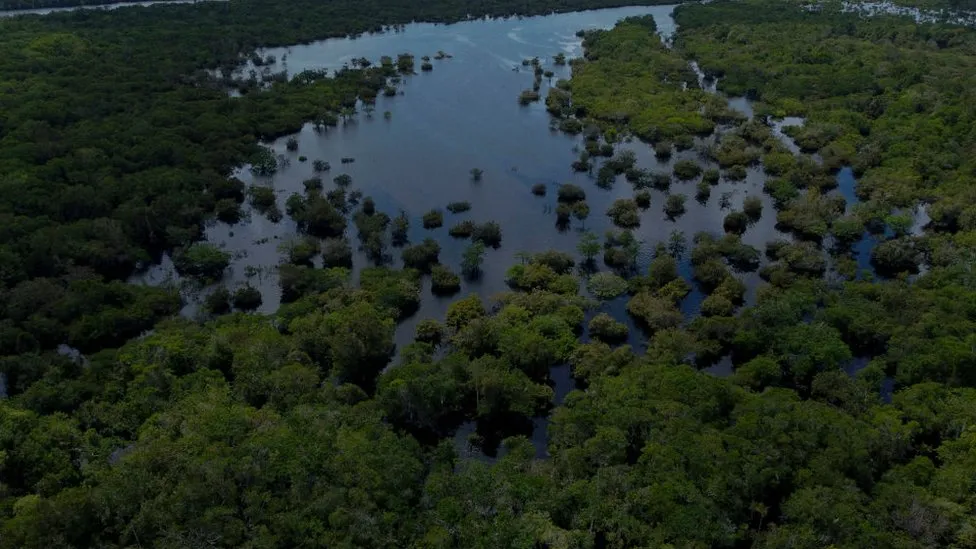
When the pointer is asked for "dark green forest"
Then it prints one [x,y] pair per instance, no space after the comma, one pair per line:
[117,145]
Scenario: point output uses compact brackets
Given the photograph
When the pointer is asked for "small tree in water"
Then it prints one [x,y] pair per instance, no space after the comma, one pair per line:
[589,246]
[472,258]
[477,174]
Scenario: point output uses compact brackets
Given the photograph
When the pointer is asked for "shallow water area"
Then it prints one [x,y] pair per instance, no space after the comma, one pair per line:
[465,114]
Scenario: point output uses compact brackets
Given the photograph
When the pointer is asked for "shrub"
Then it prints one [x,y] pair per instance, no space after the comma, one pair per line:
[262,198]
[217,302]
[686,169]
[563,213]
[433,219]
[429,331]
[489,234]
[463,311]
[571,126]
[624,213]
[228,210]
[421,256]
[312,184]
[336,252]
[539,189]
[560,262]
[736,173]
[570,193]
[401,224]
[662,150]
[607,285]
[711,176]
[674,206]
[660,181]
[752,207]
[736,223]
[203,261]
[444,281]
[717,305]
[528,96]
[703,191]
[605,328]
[654,313]
[321,166]
[291,144]
[247,298]
[300,251]
[643,199]
[458,207]
[463,229]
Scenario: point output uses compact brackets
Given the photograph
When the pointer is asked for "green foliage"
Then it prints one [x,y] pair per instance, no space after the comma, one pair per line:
[674,205]
[463,311]
[570,193]
[429,331]
[398,292]
[606,285]
[433,219]
[588,246]
[458,207]
[647,94]
[488,234]
[422,256]
[247,298]
[605,328]
[687,169]
[472,258]
[624,213]
[463,229]
[444,281]
[202,261]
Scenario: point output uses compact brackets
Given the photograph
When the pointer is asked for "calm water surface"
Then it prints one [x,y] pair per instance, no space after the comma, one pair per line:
[465,114]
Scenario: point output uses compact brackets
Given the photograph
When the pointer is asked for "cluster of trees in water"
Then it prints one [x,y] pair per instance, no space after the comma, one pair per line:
[290,429]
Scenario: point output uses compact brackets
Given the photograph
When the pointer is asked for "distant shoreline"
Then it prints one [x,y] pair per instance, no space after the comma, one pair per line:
[43,7]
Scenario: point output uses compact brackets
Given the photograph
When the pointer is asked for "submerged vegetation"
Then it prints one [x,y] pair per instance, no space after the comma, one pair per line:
[847,417]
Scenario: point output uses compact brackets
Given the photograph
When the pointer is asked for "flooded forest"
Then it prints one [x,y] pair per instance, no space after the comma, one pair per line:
[561,273]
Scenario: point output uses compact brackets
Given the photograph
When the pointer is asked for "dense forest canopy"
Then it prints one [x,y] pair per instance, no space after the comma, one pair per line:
[290,429]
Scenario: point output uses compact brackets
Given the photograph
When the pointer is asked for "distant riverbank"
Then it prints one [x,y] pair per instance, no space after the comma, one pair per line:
[11,8]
